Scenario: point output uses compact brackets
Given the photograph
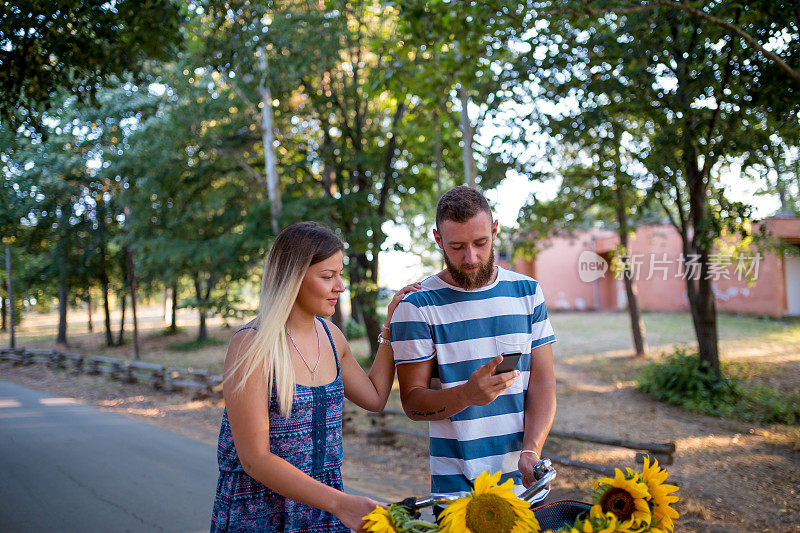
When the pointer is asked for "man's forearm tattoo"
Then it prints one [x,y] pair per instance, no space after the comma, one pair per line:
[428,413]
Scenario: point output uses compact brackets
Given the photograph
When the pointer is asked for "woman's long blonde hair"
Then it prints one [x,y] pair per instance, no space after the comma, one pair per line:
[294,250]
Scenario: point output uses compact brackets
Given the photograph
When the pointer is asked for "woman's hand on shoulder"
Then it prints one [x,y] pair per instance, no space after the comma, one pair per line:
[398,297]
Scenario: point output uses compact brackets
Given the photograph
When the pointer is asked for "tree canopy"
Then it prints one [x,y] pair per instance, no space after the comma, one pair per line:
[76,46]
[186,134]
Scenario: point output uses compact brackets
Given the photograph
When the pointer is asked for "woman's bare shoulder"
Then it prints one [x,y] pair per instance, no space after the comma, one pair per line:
[242,337]
[338,337]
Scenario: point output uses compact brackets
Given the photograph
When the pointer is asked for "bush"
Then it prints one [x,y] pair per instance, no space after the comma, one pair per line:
[683,379]
[354,330]
[766,404]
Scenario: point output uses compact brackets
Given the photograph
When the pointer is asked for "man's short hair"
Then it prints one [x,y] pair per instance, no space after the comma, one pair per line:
[460,204]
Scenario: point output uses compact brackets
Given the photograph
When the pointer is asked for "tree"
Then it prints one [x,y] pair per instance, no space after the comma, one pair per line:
[54,171]
[599,177]
[780,169]
[690,84]
[236,46]
[775,161]
[11,213]
[465,48]
[189,213]
[342,117]
[67,211]
[774,43]
[76,45]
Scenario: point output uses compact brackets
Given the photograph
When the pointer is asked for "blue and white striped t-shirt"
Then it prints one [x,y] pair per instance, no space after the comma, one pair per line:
[459,328]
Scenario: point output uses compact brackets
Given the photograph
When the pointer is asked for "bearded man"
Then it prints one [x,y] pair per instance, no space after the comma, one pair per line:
[448,341]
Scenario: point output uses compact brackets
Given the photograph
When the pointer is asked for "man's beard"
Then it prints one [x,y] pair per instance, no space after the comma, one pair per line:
[471,280]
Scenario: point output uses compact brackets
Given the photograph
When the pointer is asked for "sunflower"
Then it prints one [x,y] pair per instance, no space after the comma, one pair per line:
[489,508]
[654,476]
[396,519]
[378,521]
[596,522]
[626,497]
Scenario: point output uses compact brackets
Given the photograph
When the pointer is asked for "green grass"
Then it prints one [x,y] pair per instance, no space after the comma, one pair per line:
[195,344]
[168,332]
[585,333]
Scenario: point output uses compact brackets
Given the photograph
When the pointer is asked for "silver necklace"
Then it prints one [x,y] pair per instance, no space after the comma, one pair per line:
[319,353]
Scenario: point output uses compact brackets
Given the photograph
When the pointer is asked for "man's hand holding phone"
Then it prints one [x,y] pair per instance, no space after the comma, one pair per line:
[508,363]
[485,384]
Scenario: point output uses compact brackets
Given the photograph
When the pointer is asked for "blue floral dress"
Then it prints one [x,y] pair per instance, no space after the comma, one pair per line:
[310,439]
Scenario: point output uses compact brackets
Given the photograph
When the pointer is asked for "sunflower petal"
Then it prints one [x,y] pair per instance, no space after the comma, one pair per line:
[486,480]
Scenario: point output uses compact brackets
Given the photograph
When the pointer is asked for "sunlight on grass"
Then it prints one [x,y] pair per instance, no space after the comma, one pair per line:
[167,332]
[195,344]
[586,333]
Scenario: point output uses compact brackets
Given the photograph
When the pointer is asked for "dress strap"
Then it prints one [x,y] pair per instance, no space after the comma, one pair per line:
[327,332]
[330,338]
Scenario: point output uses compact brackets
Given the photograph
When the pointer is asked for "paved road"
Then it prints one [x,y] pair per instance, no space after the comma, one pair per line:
[65,466]
[70,467]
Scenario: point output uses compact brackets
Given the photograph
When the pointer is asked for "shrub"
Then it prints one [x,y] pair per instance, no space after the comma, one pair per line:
[683,379]
[354,330]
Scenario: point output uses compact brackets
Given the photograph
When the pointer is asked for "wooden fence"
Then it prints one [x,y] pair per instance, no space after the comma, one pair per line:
[199,383]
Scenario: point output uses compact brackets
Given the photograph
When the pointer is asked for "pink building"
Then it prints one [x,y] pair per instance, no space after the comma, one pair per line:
[575,272]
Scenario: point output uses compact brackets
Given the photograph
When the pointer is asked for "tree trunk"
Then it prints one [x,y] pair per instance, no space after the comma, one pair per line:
[122,319]
[10,289]
[705,318]
[437,134]
[106,307]
[165,308]
[701,304]
[63,289]
[89,309]
[337,317]
[132,287]
[3,327]
[355,284]
[202,331]
[704,310]
[268,139]
[637,324]
[63,293]
[104,282]
[371,319]
[365,297]
[371,322]
[470,169]
[437,149]
[173,320]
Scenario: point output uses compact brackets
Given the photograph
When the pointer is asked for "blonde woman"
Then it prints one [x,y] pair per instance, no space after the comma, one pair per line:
[286,374]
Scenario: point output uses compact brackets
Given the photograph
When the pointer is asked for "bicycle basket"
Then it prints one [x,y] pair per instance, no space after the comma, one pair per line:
[559,513]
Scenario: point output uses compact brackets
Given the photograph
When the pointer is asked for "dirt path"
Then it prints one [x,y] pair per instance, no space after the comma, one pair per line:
[732,478]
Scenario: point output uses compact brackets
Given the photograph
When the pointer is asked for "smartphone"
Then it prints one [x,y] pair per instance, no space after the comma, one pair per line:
[508,363]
